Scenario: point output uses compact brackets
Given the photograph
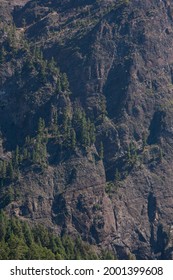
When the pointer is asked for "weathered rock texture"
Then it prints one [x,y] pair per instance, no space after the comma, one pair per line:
[120,52]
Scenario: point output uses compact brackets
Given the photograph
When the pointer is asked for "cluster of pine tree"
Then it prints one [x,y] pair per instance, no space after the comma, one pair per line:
[19,241]
[72,132]
[34,64]
[34,151]
[11,42]
[9,169]
[85,128]
[43,70]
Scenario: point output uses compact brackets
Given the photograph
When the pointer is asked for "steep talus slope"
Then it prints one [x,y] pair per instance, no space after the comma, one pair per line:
[119,61]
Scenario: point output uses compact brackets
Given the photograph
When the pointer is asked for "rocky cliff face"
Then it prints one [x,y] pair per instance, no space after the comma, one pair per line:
[118,59]
[69,197]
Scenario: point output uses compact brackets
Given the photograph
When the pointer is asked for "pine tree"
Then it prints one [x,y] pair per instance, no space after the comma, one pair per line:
[129,153]
[2,226]
[41,126]
[44,153]
[27,234]
[92,133]
[25,153]
[34,156]
[27,140]
[11,171]
[16,156]
[18,248]
[4,250]
[144,140]
[160,154]
[57,133]
[52,65]
[64,82]
[117,175]
[4,170]
[58,86]
[45,139]
[84,131]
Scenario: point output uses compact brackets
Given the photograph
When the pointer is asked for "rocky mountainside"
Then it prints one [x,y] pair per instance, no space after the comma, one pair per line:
[86,120]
